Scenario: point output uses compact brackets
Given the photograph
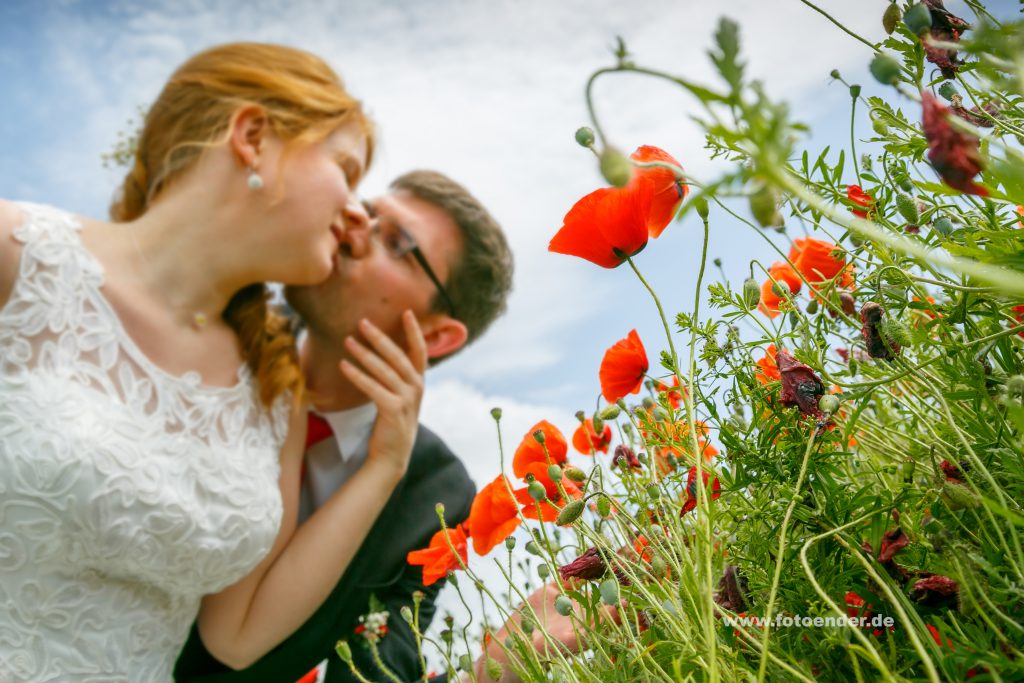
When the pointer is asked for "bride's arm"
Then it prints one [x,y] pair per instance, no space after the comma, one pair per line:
[242,623]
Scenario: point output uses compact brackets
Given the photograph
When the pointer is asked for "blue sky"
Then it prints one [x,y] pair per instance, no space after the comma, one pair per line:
[488,92]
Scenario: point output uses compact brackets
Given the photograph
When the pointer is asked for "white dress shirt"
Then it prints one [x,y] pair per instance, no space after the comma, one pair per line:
[330,463]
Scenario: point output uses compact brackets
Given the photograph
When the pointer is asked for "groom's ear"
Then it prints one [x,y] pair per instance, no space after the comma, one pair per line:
[443,335]
[249,128]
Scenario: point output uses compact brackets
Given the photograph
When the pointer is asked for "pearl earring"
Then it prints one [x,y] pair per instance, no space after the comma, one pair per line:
[255,180]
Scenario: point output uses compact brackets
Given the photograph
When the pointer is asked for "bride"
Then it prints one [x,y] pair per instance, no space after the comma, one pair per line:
[151,426]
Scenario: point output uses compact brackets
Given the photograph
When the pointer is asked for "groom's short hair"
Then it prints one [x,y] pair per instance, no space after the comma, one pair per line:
[480,280]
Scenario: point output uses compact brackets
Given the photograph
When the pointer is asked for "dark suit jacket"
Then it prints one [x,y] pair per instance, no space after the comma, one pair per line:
[379,567]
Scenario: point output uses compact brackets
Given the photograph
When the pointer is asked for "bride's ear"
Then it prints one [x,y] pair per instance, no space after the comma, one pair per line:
[249,128]
[444,335]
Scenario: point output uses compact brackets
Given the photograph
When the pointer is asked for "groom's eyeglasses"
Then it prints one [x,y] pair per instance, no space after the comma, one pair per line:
[399,243]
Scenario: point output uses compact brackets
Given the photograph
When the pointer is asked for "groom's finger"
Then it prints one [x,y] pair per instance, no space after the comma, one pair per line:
[417,344]
[389,351]
[374,365]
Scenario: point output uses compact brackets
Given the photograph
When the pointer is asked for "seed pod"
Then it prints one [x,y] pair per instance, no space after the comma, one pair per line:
[609,589]
[890,18]
[554,473]
[538,436]
[465,663]
[563,605]
[604,506]
[701,206]
[907,208]
[780,288]
[918,19]
[829,403]
[446,636]
[812,306]
[510,543]
[344,651]
[585,136]
[575,474]
[653,492]
[616,168]
[885,69]
[835,74]
[543,571]
[947,90]
[406,613]
[532,548]
[598,424]
[854,91]
[764,206]
[658,566]
[751,293]
[527,625]
[896,331]
[609,412]
[494,669]
[496,414]
[958,496]
[570,513]
[537,491]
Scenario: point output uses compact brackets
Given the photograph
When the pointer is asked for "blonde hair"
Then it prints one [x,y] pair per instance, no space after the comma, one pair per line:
[303,99]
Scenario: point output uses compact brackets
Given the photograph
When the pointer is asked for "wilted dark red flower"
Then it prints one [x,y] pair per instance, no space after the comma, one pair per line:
[892,542]
[493,516]
[780,271]
[954,473]
[625,457]
[945,28]
[800,386]
[953,153]
[590,565]
[974,114]
[586,440]
[861,198]
[623,368]
[732,589]
[936,591]
[691,489]
[878,345]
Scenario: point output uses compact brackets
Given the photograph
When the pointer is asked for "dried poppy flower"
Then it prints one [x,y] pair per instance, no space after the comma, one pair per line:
[954,473]
[953,153]
[974,114]
[936,591]
[945,28]
[530,451]
[767,371]
[588,566]
[587,441]
[691,489]
[800,386]
[732,588]
[625,457]
[861,198]
[779,271]
[669,190]
[623,368]
[892,542]
[493,516]
[878,345]
[437,559]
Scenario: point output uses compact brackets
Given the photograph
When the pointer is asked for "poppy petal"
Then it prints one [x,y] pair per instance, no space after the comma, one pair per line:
[669,191]
[623,368]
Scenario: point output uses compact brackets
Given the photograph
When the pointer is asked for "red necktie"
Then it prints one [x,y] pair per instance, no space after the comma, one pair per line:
[318,430]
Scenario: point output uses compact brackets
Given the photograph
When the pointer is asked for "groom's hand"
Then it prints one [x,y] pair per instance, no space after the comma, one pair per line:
[393,379]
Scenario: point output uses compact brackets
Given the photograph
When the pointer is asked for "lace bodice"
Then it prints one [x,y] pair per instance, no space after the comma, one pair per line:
[125,493]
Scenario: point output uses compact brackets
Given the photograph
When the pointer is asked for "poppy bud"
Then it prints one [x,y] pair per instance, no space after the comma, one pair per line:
[653,492]
[958,496]
[575,474]
[563,605]
[581,416]
[585,136]
[660,415]
[885,69]
[780,288]
[451,578]
[570,513]
[532,548]
[554,473]
[604,506]
[829,403]
[496,414]
[616,168]
[527,625]
[465,663]
[494,669]
[609,412]
[1015,385]
[609,589]
[406,613]
[543,571]
[812,306]
[890,18]
[446,636]
[344,651]
[904,182]
[751,293]
[764,206]
[947,91]
[918,19]
[854,91]
[439,509]
[536,491]
[701,206]
[658,566]
[598,424]
[717,262]
[943,226]
[896,330]
[907,208]
[510,543]
[835,74]
[538,436]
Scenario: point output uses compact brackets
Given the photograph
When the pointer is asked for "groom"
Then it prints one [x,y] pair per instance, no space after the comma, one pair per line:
[431,247]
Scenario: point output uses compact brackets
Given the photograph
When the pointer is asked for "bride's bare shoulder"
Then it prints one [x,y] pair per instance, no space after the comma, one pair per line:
[10,249]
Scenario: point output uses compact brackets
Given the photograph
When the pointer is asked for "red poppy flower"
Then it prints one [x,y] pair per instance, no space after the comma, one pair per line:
[781,272]
[669,191]
[691,489]
[819,261]
[861,198]
[1019,310]
[672,393]
[767,370]
[548,510]
[623,368]
[607,225]
[587,441]
[437,559]
[530,451]
[953,153]
[938,640]
[493,516]
[800,386]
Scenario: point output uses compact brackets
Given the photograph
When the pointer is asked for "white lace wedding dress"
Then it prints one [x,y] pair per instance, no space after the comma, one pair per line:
[125,493]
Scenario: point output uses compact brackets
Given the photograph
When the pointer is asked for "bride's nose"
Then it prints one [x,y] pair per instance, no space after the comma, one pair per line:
[356,239]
